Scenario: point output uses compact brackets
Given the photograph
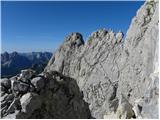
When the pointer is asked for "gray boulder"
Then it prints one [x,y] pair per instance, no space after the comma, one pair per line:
[20,87]
[9,97]
[10,106]
[60,97]
[122,111]
[6,83]
[30,102]
[38,82]
[26,74]
[13,106]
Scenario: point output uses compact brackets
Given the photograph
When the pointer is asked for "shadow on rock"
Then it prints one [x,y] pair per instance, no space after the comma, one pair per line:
[49,95]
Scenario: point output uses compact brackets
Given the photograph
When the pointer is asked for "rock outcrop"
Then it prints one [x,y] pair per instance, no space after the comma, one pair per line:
[139,76]
[108,65]
[118,77]
[94,65]
[51,95]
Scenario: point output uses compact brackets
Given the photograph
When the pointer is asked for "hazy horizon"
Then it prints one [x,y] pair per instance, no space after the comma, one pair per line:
[27,52]
[42,26]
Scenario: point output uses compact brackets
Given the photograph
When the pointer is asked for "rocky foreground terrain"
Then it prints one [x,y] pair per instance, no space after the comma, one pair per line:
[106,77]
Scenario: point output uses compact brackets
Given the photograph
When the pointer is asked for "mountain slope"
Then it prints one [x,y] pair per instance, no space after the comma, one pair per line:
[139,78]
[110,72]
[12,63]
[103,78]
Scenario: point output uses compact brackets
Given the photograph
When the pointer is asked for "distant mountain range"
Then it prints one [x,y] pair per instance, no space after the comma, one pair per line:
[13,63]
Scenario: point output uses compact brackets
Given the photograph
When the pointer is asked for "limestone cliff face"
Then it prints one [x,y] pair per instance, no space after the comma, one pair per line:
[140,47]
[95,66]
[63,58]
[136,80]
[108,70]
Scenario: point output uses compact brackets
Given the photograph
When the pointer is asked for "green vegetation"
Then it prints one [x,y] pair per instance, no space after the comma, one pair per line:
[90,41]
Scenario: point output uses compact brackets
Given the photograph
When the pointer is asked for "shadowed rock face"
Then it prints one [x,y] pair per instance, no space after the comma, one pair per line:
[51,95]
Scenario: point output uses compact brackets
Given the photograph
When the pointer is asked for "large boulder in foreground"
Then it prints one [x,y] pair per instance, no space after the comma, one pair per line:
[50,95]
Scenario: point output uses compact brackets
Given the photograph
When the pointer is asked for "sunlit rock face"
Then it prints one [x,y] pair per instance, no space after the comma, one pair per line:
[94,65]
[105,67]
[107,77]
[139,79]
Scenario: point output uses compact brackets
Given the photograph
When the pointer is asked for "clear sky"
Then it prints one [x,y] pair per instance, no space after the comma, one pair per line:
[42,26]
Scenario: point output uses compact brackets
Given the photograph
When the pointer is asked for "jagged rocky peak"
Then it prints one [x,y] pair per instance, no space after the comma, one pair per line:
[68,58]
[75,39]
[71,46]
[104,69]
[141,47]
[140,23]
[106,36]
[119,36]
[138,80]
[14,54]
[4,57]
[94,66]
[5,54]
[99,33]
[116,81]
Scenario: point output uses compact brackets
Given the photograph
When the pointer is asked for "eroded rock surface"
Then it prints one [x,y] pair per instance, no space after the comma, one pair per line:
[118,77]
[94,65]
[108,65]
[139,78]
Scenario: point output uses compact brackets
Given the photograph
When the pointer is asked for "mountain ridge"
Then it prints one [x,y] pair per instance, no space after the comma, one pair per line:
[12,63]
[101,78]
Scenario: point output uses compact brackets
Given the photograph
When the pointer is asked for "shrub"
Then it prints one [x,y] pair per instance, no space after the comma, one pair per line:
[90,41]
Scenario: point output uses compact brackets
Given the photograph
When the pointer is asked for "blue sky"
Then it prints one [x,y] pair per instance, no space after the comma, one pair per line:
[42,26]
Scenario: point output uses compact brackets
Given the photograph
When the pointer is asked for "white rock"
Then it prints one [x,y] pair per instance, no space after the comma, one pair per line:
[30,102]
